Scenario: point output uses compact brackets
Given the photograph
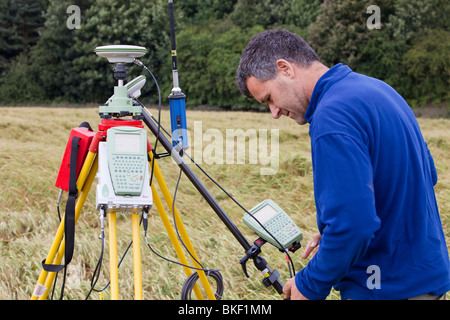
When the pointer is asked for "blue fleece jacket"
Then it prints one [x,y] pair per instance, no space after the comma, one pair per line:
[382,237]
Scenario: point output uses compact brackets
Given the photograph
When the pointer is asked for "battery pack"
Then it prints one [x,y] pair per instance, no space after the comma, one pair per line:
[86,136]
[178,120]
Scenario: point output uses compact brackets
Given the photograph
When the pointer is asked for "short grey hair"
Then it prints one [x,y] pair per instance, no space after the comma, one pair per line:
[264,49]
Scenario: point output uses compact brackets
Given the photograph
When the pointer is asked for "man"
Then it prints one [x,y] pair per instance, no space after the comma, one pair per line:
[380,234]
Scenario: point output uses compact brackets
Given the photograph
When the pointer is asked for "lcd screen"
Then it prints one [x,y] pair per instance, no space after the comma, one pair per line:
[265,213]
[128,143]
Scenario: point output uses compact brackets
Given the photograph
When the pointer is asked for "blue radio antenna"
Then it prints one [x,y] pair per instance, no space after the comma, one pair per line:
[177,100]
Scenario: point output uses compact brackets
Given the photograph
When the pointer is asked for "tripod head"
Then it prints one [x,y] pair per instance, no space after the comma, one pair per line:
[120,104]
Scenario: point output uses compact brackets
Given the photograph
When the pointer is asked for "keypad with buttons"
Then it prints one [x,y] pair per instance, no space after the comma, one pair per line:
[282,227]
[127,173]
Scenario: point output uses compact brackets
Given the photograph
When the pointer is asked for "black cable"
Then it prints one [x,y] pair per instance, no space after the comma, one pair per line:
[139,63]
[289,266]
[213,272]
[118,265]
[174,220]
[54,285]
[230,196]
[59,217]
[192,279]
[169,260]
[186,290]
[175,262]
[99,266]
[58,202]
[235,201]
[64,283]
[96,273]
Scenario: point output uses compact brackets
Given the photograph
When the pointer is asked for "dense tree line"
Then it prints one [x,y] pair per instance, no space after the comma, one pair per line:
[42,60]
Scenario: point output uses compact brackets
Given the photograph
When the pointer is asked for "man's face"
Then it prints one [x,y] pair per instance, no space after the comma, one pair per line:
[283,95]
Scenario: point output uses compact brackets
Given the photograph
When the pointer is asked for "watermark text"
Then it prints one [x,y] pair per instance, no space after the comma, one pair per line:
[236,146]
[374,20]
[74,20]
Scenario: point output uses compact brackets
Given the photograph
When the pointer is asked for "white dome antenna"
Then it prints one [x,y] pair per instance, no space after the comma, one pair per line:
[120,53]
[121,102]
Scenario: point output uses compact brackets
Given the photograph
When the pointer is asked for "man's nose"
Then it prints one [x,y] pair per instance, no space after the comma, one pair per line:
[275,111]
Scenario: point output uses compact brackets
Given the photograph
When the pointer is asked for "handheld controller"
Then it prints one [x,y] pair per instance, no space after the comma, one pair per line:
[277,222]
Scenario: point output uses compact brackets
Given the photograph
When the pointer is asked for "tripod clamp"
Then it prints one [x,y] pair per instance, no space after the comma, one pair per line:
[271,277]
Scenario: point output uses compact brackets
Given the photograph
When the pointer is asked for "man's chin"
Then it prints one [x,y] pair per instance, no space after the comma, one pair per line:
[300,120]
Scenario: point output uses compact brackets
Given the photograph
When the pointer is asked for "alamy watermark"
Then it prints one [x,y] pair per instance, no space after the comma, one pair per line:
[74,20]
[252,147]
[374,280]
[374,20]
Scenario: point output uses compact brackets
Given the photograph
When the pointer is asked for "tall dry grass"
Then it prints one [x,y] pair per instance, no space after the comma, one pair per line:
[32,142]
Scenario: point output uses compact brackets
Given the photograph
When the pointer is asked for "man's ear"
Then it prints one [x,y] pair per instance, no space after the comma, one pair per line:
[285,67]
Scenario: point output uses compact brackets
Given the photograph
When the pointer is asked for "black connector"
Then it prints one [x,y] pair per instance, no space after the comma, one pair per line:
[120,71]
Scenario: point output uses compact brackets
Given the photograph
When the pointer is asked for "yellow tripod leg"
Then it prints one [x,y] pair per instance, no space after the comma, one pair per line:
[56,252]
[173,238]
[136,257]
[181,229]
[113,261]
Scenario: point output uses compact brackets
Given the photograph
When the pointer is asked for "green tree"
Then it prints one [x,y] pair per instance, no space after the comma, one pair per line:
[22,82]
[63,64]
[412,17]
[303,13]
[20,23]
[55,53]
[382,57]
[55,63]
[419,29]
[208,63]
[193,47]
[340,30]
[340,34]
[428,64]
[111,22]
[203,12]
[266,13]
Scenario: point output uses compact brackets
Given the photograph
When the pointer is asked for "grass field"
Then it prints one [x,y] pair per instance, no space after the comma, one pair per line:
[33,140]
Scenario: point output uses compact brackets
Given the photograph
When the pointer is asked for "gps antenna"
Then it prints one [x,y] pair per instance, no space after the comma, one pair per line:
[176,98]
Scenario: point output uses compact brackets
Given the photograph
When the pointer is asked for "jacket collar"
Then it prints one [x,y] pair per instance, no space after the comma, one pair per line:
[327,80]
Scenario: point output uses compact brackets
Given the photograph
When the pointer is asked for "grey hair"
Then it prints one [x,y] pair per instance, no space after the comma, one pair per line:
[264,49]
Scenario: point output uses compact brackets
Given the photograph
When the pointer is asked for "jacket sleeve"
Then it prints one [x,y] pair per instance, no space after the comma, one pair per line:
[346,215]
[434,176]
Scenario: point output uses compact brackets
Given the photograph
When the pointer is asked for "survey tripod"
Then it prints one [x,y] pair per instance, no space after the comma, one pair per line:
[79,188]
[83,185]
[85,159]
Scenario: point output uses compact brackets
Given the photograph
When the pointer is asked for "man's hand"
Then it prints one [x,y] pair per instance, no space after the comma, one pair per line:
[290,289]
[291,292]
[312,246]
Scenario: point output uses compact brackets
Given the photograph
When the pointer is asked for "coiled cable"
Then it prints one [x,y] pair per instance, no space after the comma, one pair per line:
[186,290]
